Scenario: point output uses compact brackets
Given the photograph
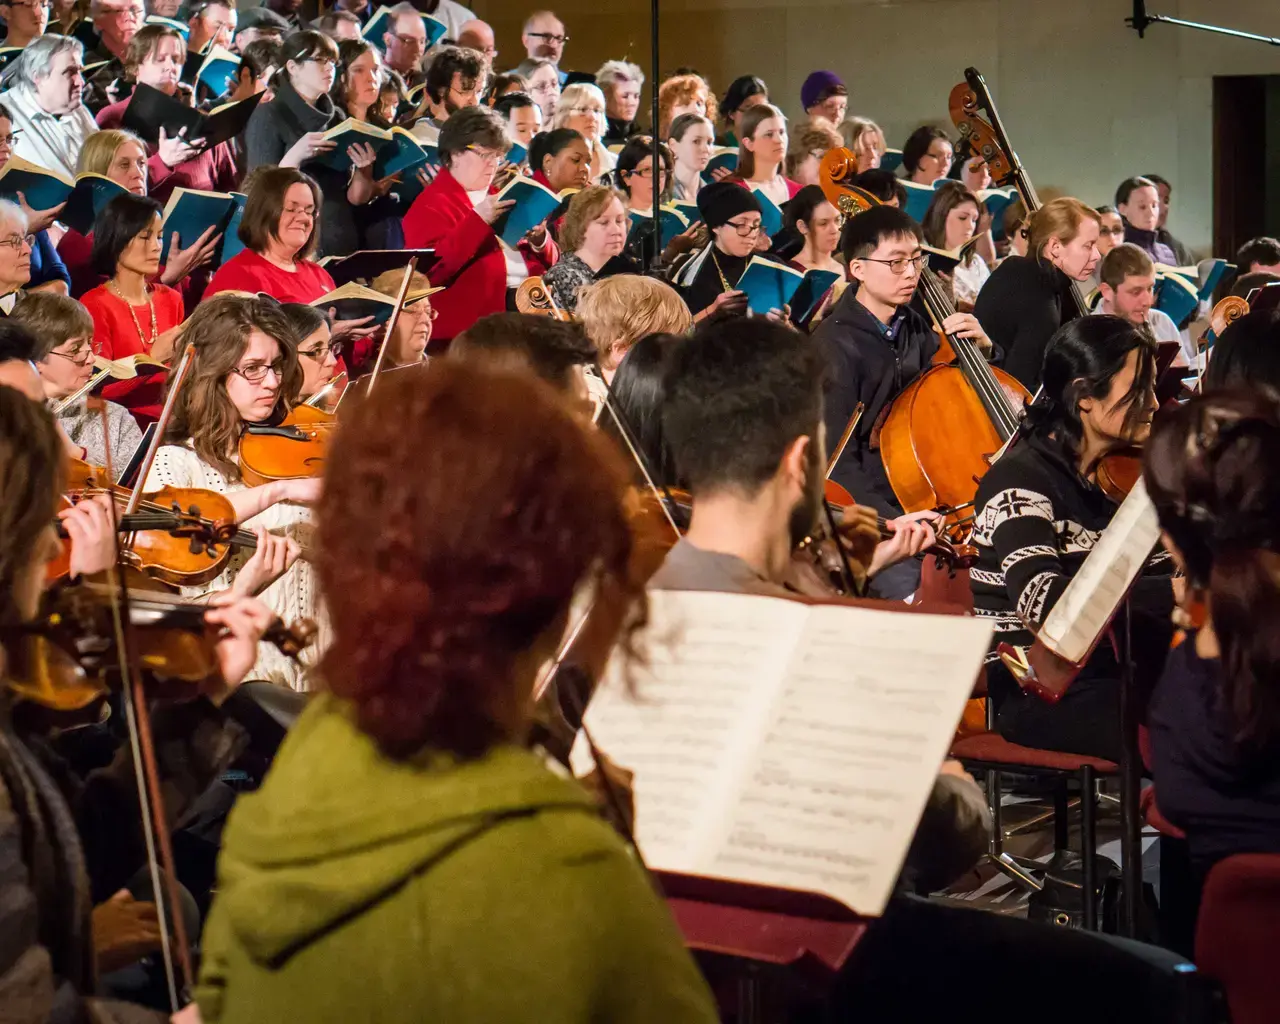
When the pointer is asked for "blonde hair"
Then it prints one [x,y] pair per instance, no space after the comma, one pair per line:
[577,95]
[100,149]
[584,207]
[683,89]
[1060,219]
[855,127]
[619,311]
[815,137]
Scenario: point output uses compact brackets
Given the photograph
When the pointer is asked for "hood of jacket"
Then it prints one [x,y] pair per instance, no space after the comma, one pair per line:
[337,827]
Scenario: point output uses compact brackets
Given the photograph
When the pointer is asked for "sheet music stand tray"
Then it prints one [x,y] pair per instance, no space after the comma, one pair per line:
[759,930]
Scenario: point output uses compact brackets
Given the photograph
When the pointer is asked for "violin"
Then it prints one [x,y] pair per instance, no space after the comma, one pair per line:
[65,659]
[289,450]
[533,297]
[182,536]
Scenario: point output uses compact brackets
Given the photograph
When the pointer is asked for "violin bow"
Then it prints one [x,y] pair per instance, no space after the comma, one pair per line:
[410,267]
[155,831]
[838,452]
[663,495]
[315,400]
[162,424]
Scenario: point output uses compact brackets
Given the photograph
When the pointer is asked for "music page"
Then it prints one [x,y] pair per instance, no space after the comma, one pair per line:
[1074,624]
[824,752]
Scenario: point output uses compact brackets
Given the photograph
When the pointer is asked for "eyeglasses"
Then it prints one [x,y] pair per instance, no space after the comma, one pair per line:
[899,266]
[422,310]
[320,353]
[586,110]
[16,242]
[545,87]
[549,37]
[11,139]
[81,353]
[745,230]
[487,155]
[136,13]
[300,211]
[645,172]
[415,41]
[256,373]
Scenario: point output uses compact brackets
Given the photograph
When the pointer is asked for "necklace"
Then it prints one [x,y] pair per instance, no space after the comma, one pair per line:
[146,345]
[724,281]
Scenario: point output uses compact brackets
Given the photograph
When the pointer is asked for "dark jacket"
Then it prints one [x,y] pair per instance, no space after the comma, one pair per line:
[865,365]
[272,131]
[1021,306]
[1151,243]
[618,130]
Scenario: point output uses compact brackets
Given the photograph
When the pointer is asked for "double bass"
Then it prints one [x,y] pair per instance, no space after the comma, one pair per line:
[942,432]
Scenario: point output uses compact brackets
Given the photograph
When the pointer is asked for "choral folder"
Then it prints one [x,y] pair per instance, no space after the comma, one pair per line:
[785,744]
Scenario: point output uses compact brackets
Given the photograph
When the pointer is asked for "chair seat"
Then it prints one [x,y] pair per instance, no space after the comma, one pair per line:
[1152,816]
[994,748]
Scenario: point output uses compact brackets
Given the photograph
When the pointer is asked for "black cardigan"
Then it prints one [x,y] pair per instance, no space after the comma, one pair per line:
[1021,306]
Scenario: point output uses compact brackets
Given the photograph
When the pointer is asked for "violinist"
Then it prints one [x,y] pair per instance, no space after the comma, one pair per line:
[245,371]
[47,958]
[743,418]
[876,344]
[1212,468]
[18,372]
[1027,298]
[63,331]
[446,604]
[316,355]
[1040,512]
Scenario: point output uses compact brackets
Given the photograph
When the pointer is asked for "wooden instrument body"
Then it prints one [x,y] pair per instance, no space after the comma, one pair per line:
[294,450]
[937,439]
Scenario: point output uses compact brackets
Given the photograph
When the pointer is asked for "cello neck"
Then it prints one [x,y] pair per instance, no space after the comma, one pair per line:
[972,362]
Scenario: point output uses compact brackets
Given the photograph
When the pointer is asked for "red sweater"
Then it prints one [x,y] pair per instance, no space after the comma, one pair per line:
[214,170]
[469,258]
[249,272]
[115,335]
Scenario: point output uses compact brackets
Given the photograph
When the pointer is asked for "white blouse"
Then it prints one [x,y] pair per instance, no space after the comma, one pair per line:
[293,596]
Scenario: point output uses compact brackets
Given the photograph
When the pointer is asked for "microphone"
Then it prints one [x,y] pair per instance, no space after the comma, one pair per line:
[1139,21]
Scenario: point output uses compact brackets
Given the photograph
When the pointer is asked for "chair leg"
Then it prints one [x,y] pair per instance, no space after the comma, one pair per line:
[1061,817]
[1088,844]
[994,799]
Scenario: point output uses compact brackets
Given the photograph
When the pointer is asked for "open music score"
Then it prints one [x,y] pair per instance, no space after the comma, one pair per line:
[786,744]
[1073,627]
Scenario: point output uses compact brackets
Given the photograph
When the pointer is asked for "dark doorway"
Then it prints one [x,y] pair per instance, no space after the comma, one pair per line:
[1246,160]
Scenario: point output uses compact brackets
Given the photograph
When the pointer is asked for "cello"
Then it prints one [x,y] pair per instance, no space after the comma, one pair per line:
[942,432]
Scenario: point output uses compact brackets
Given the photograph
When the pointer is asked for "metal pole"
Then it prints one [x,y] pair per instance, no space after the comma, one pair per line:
[657,142]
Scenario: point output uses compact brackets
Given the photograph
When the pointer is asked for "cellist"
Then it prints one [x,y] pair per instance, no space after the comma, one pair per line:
[47,968]
[876,344]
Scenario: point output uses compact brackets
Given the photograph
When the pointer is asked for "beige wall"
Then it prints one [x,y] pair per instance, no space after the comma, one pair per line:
[1086,102]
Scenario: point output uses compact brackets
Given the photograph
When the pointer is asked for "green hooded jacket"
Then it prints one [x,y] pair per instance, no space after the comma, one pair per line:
[353,888]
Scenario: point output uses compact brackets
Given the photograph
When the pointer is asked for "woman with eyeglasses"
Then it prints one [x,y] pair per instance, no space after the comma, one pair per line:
[132,316]
[455,215]
[63,330]
[708,281]
[15,254]
[544,85]
[122,156]
[581,107]
[762,154]
[927,155]
[245,371]
[316,353]
[409,343]
[48,272]
[289,132]
[636,179]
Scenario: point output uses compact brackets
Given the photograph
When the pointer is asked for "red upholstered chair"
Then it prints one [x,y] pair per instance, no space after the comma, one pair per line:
[1238,934]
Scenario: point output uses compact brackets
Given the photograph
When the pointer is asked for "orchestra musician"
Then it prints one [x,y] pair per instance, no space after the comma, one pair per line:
[403,833]
[1039,513]
[47,956]
[1027,298]
[245,371]
[1212,468]
[63,331]
[876,344]
[316,355]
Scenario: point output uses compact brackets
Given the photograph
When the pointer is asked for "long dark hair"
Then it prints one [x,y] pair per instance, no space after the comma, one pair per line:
[1080,362]
[638,395]
[1212,468]
[1248,353]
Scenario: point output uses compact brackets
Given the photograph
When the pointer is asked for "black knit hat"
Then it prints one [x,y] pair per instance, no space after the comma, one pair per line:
[722,200]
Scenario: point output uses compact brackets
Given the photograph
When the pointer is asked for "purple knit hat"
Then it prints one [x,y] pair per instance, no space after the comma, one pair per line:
[814,86]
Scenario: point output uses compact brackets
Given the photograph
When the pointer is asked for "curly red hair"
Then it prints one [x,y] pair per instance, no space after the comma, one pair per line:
[462,509]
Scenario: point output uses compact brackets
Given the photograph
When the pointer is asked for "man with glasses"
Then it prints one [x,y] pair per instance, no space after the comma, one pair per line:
[478,35]
[27,21]
[45,97]
[116,22]
[404,44]
[544,38]
[876,345]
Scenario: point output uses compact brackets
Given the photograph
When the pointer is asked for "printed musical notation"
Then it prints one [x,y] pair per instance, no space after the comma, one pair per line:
[787,744]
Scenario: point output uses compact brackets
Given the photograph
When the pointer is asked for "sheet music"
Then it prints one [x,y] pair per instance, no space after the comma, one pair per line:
[1075,623]
[823,782]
